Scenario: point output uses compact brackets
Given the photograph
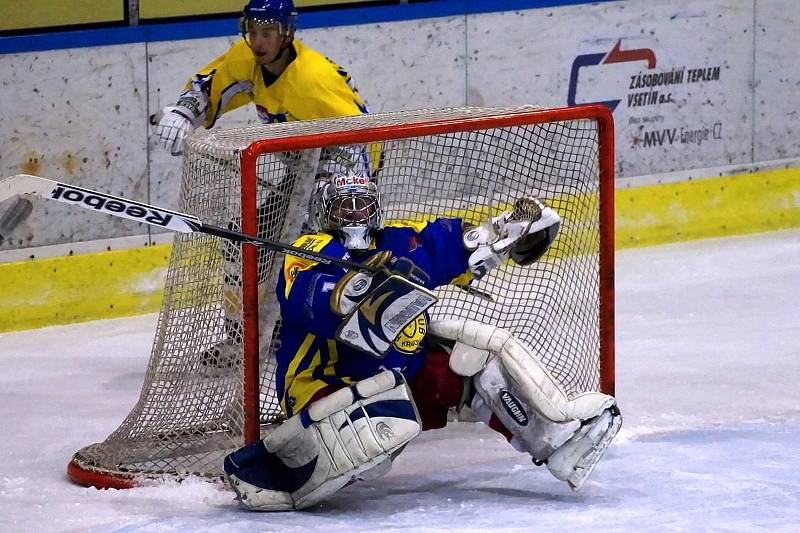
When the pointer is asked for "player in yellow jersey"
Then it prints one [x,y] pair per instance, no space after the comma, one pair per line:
[284,78]
[287,81]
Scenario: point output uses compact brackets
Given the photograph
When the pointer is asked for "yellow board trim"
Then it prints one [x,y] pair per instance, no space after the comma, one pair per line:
[152,9]
[17,15]
[705,208]
[62,290]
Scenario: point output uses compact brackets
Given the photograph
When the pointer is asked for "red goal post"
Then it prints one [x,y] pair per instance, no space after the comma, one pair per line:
[465,162]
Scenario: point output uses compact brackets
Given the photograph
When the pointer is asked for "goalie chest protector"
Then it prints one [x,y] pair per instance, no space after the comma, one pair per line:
[434,247]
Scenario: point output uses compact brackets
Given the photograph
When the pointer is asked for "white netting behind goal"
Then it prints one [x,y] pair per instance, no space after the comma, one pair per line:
[469,163]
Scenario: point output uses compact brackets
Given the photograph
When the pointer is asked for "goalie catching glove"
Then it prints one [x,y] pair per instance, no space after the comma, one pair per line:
[524,234]
[379,306]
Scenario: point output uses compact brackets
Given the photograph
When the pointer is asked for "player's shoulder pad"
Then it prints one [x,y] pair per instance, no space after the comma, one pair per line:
[240,50]
[317,242]
[313,241]
[305,52]
[312,67]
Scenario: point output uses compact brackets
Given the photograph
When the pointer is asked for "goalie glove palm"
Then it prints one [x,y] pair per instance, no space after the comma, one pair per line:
[532,243]
[354,286]
[523,234]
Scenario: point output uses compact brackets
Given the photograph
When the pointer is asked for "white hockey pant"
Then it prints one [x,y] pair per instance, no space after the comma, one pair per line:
[351,434]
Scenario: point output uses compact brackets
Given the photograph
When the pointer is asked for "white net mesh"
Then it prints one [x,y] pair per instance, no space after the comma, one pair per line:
[190,413]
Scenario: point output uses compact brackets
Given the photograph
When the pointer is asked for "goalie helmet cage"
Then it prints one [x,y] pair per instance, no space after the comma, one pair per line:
[210,383]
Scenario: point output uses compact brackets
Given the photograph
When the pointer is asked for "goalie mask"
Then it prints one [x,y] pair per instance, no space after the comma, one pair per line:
[349,206]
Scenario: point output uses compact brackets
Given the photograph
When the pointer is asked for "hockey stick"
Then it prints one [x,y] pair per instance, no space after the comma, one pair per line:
[23,184]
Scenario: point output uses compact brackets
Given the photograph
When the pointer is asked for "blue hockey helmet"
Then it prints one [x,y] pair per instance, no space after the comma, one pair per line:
[280,11]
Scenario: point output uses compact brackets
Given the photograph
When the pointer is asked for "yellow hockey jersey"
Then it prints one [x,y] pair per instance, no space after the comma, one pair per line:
[311,87]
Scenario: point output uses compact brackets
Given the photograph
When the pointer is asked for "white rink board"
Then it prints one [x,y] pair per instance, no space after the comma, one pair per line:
[777,80]
[92,103]
[76,115]
[567,55]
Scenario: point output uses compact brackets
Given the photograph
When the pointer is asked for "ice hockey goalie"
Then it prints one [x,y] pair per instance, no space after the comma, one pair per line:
[361,368]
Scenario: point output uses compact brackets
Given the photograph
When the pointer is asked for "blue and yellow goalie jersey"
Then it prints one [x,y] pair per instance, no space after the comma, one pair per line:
[309,357]
[311,87]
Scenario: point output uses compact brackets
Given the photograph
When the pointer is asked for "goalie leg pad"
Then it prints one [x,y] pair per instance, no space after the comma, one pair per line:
[515,407]
[529,402]
[518,366]
[351,434]
[572,448]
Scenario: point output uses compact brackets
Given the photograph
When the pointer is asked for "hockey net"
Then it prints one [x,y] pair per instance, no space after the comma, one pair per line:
[210,384]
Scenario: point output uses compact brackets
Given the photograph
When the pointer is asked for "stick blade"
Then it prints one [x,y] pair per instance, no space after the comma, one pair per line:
[25,184]
[17,210]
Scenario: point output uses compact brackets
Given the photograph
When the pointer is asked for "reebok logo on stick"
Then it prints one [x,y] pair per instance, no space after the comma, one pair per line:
[68,194]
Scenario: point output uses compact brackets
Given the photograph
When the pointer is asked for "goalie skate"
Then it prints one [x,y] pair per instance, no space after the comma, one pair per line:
[576,459]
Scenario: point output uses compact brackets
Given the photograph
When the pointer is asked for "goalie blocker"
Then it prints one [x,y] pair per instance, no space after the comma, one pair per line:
[379,306]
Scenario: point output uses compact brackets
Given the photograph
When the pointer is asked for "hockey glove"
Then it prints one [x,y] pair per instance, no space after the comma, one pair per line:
[173,128]
[379,306]
[531,244]
[176,123]
[523,234]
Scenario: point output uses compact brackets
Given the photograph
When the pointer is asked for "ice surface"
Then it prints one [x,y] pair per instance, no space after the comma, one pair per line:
[708,380]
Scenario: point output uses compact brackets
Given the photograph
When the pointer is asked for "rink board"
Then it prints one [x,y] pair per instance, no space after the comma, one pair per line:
[75,288]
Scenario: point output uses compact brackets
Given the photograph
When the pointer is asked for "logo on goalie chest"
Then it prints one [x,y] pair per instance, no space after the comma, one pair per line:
[514,408]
